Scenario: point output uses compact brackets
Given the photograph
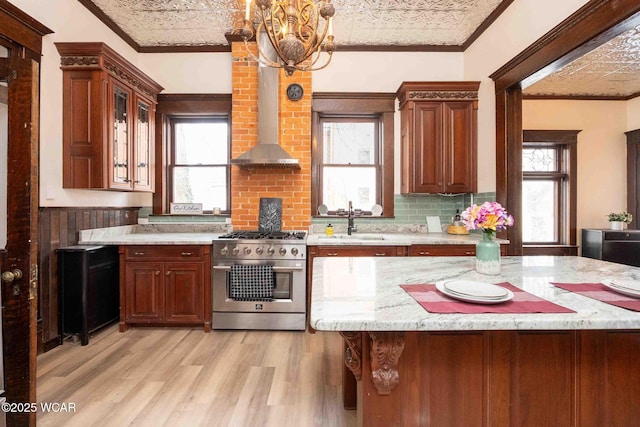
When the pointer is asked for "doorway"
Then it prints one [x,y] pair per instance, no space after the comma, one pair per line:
[591,26]
[20,50]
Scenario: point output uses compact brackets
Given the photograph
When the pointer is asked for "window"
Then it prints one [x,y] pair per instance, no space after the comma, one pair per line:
[199,162]
[353,153]
[192,151]
[548,187]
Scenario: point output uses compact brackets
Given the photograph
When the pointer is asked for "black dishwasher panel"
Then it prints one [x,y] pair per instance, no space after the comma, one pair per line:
[622,247]
[90,288]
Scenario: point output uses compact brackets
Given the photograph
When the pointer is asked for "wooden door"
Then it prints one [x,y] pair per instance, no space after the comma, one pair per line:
[459,140]
[428,152]
[184,292]
[144,294]
[20,48]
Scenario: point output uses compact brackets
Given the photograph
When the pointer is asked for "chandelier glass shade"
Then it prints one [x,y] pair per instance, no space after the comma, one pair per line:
[298,30]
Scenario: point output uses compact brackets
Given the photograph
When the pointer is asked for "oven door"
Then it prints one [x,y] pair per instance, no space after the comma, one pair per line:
[289,294]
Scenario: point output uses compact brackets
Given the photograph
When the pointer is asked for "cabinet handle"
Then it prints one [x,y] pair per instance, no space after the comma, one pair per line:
[187,253]
[469,253]
[423,253]
[138,253]
[333,254]
[380,254]
[157,272]
[168,273]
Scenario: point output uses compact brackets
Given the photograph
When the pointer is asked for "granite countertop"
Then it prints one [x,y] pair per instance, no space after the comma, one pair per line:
[394,239]
[363,294]
[154,234]
[204,234]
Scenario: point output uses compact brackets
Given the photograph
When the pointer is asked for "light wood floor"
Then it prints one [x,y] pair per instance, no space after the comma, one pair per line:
[185,377]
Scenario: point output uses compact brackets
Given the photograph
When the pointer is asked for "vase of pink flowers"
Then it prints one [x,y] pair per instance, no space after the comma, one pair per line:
[488,217]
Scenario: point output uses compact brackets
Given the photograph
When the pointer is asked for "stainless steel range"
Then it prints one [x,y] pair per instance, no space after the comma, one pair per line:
[259,280]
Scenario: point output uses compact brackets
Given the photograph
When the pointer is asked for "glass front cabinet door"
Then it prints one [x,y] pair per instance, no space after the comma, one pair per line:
[120,147]
[143,145]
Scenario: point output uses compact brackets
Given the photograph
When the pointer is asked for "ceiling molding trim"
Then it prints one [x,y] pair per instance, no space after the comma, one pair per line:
[185,49]
[578,97]
[572,33]
[486,23]
[109,23]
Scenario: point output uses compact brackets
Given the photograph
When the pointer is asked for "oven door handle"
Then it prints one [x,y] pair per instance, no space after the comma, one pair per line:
[275,268]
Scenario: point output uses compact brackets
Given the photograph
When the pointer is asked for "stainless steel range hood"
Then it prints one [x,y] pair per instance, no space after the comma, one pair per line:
[267,153]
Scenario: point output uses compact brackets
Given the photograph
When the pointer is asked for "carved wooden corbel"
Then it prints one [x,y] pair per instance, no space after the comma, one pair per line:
[353,353]
[386,348]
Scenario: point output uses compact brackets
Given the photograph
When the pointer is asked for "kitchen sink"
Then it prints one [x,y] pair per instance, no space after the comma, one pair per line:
[352,237]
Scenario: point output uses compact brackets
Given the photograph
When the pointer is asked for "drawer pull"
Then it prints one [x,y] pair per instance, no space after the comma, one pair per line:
[187,253]
[168,273]
[423,253]
[381,254]
[138,253]
[469,253]
[333,254]
[157,272]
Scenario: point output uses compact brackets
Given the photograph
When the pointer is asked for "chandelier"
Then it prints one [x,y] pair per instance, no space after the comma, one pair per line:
[294,29]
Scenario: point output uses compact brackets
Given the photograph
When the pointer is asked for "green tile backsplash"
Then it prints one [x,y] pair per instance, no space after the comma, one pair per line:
[412,209]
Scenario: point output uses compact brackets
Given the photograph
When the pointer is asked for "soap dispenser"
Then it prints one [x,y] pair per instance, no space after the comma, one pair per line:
[329,230]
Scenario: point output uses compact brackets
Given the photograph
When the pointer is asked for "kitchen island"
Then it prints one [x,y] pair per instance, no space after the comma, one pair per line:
[416,368]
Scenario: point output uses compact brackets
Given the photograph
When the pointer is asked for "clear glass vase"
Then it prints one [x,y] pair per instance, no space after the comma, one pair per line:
[488,255]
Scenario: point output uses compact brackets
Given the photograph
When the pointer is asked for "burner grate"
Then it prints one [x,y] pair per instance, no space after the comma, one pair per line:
[256,235]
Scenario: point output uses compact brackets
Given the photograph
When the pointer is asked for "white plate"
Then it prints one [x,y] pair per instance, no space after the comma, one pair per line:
[628,288]
[322,209]
[376,210]
[475,289]
[441,286]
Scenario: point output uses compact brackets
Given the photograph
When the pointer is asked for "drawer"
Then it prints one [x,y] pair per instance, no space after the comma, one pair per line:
[442,250]
[162,252]
[355,251]
[622,235]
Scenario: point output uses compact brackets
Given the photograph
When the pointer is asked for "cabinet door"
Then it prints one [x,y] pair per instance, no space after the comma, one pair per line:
[102,295]
[83,134]
[428,155]
[120,137]
[459,145]
[184,292]
[144,292]
[143,145]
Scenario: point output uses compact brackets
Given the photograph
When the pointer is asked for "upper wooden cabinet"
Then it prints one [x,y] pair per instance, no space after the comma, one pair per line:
[108,120]
[439,128]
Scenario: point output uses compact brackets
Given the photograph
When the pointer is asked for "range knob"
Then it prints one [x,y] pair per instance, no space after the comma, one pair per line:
[235,251]
[247,250]
[283,251]
[294,251]
[259,250]
[224,251]
[271,251]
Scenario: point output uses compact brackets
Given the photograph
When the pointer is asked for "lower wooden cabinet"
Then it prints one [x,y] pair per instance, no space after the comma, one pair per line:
[165,285]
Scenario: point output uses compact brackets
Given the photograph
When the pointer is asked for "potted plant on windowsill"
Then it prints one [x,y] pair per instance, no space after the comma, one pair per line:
[618,220]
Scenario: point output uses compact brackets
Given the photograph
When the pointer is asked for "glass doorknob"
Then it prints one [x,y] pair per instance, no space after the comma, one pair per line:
[10,276]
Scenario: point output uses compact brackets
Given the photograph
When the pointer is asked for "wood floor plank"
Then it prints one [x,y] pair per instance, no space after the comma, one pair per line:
[185,377]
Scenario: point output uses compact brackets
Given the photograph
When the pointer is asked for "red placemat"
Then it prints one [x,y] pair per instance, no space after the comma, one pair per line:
[600,292]
[435,301]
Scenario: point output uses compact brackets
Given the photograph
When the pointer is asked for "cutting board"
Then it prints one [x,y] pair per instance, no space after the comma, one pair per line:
[270,218]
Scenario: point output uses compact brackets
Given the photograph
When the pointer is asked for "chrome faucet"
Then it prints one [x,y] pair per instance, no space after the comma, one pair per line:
[350,225]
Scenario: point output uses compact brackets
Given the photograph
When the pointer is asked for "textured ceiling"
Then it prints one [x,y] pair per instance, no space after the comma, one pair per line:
[154,23]
[610,71]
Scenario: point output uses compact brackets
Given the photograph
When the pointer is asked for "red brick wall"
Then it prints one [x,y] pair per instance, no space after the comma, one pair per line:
[249,185]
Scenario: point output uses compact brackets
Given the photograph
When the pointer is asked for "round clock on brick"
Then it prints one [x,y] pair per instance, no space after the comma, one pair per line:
[294,92]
